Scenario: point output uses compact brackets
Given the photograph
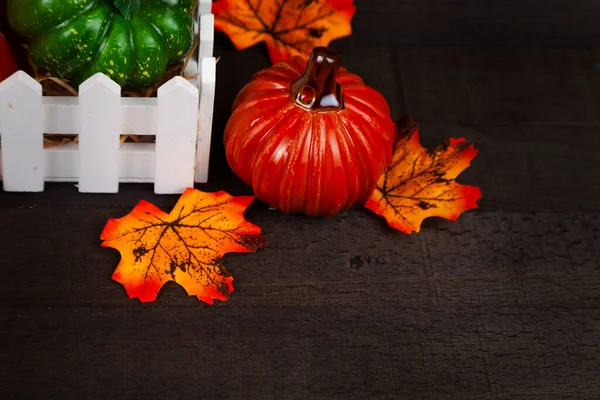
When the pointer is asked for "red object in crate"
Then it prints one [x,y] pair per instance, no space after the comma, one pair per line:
[8,62]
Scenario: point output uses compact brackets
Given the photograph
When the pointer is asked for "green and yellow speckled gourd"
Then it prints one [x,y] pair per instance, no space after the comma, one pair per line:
[131,41]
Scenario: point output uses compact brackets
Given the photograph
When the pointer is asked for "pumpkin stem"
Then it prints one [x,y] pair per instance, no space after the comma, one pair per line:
[317,89]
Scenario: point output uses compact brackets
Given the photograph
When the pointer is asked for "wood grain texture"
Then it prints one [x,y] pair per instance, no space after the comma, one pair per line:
[541,23]
[501,304]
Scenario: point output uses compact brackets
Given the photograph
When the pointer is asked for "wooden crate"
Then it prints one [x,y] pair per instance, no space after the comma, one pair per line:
[180,117]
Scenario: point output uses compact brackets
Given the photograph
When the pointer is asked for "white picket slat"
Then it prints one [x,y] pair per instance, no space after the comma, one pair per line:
[208,71]
[207,36]
[136,163]
[21,133]
[100,116]
[205,6]
[205,29]
[139,115]
[61,115]
[177,114]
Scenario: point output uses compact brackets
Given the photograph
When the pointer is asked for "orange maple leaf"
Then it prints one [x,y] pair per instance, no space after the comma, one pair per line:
[288,27]
[421,183]
[185,246]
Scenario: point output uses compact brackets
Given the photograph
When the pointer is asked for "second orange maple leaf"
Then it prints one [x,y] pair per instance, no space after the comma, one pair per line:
[185,246]
[421,183]
[288,27]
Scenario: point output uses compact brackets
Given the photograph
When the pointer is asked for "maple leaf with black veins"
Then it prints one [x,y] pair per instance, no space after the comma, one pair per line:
[421,183]
[185,246]
[288,27]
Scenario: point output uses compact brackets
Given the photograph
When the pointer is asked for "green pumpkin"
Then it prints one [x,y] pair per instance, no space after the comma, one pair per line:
[131,41]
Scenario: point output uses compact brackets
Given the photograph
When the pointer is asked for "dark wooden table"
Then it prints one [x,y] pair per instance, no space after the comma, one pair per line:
[501,304]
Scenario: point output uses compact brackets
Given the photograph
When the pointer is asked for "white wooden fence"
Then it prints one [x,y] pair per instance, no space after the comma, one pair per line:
[180,117]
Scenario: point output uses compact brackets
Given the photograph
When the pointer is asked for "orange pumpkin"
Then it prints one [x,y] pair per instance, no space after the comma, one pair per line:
[309,137]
